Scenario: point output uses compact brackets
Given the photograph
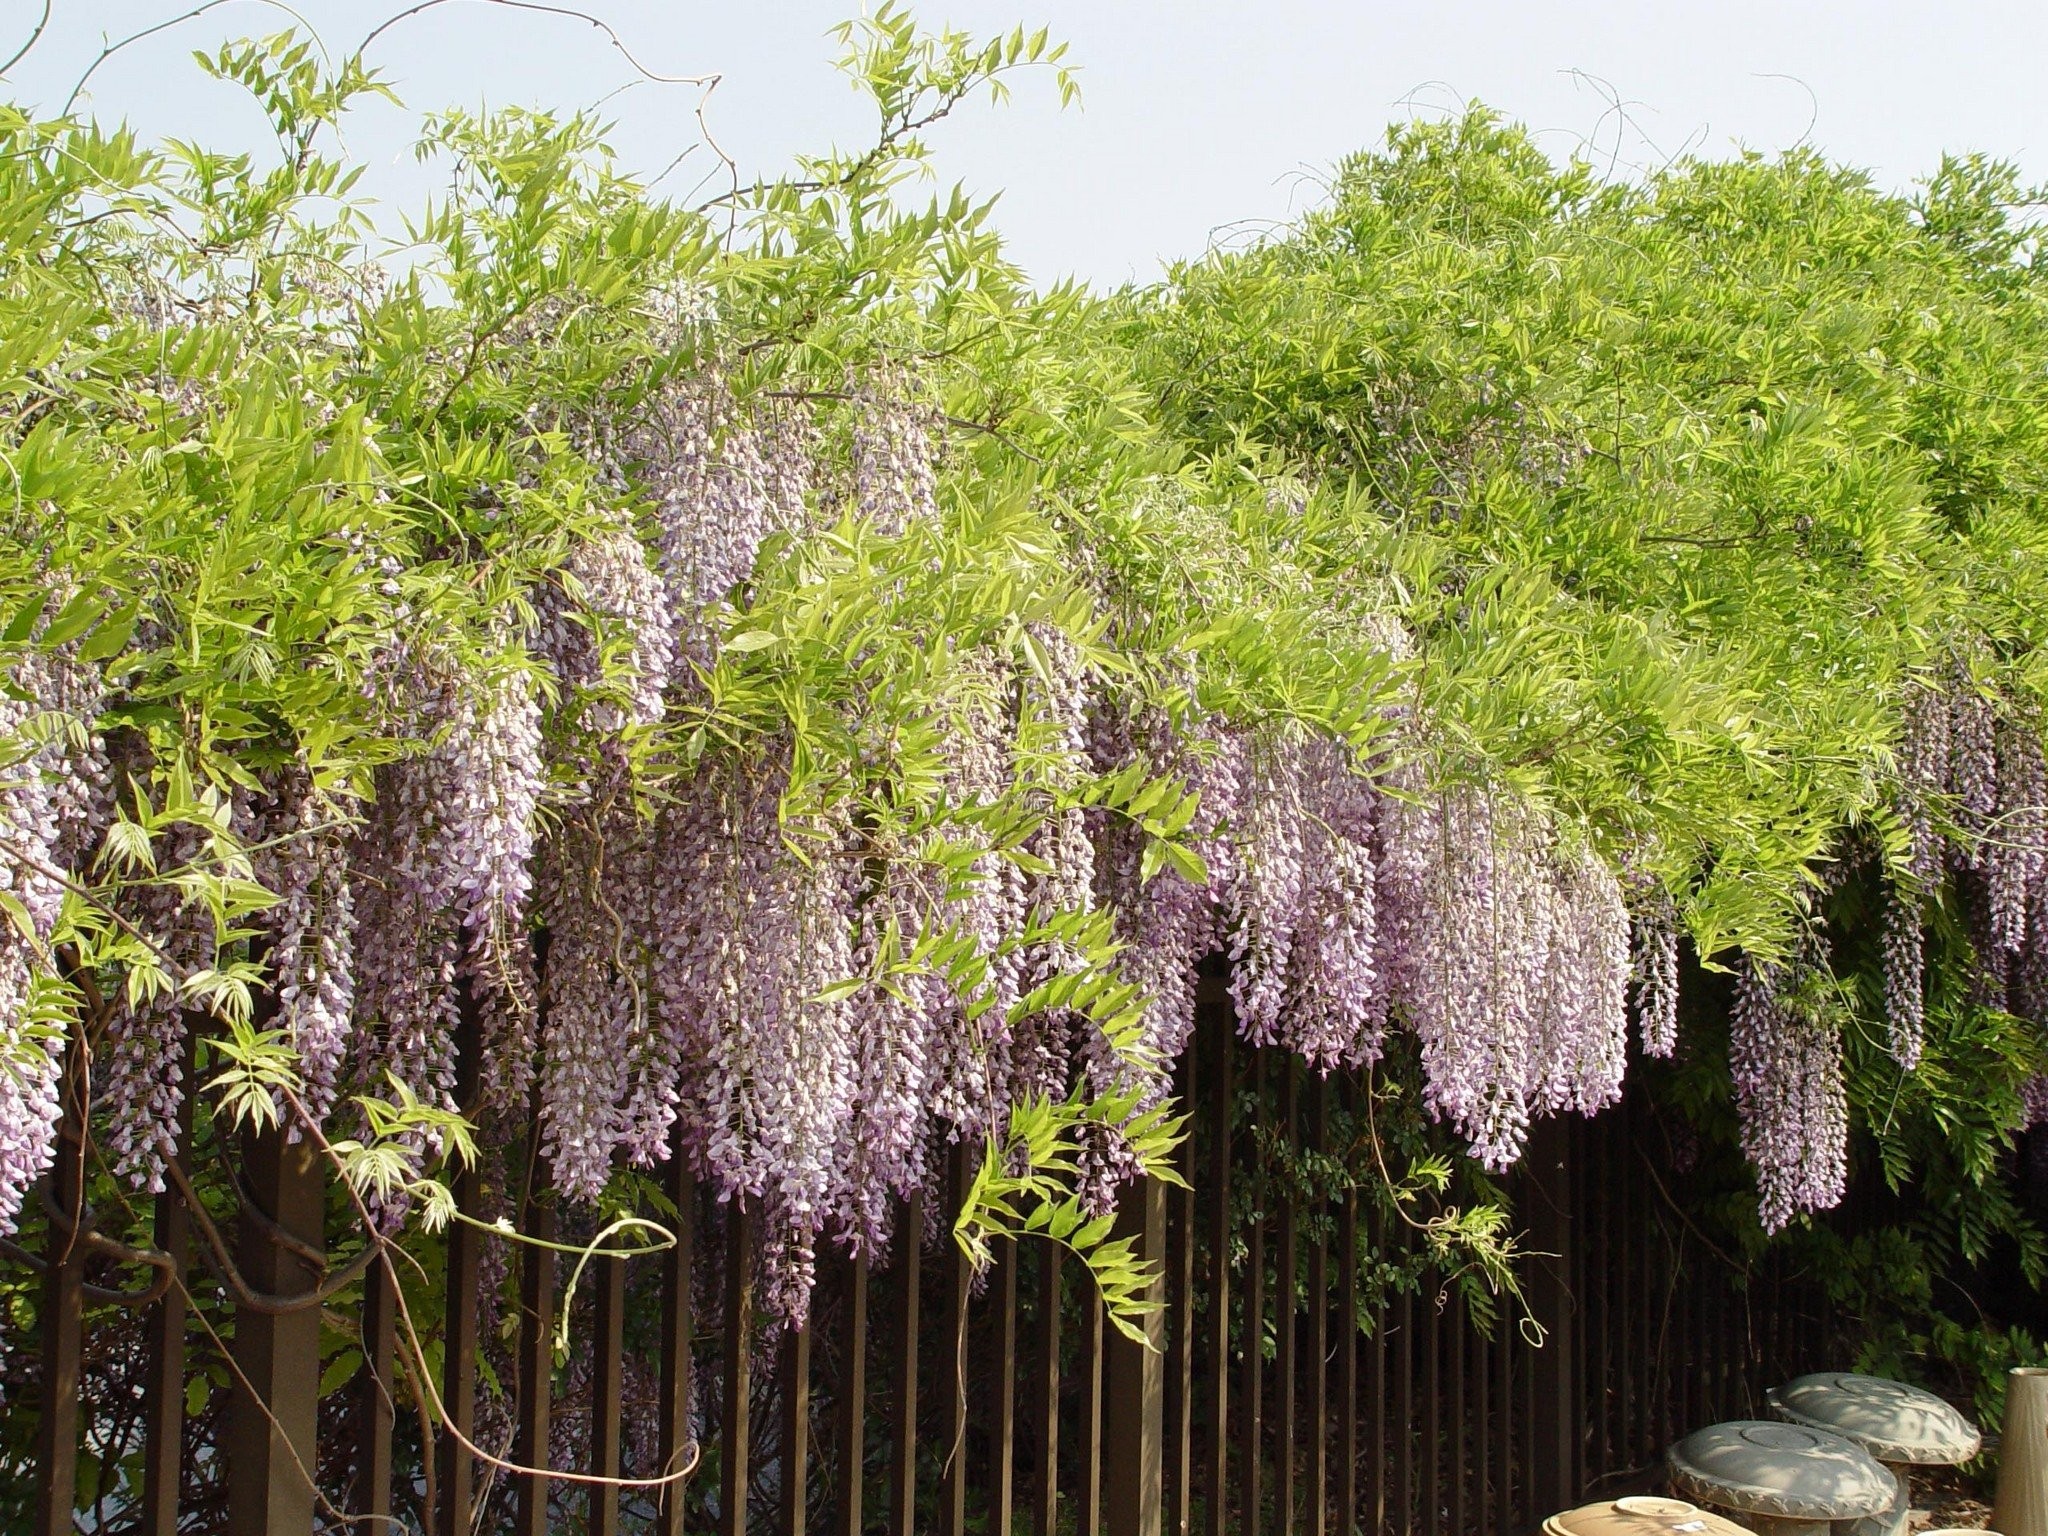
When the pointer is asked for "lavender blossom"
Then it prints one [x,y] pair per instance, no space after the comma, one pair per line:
[2015,856]
[143,1086]
[1905,984]
[609,602]
[1789,1093]
[895,480]
[305,865]
[30,1051]
[1654,970]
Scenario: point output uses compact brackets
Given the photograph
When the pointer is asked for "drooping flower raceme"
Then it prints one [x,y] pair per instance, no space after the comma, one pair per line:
[1302,906]
[1786,1059]
[1654,970]
[594,991]
[767,1061]
[1509,959]
[1905,977]
[610,604]
[1581,1044]
[303,860]
[29,1048]
[143,1086]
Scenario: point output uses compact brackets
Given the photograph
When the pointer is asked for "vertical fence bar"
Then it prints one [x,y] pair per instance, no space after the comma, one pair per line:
[1598,1236]
[1212,1002]
[1285,1386]
[903,1432]
[1461,1357]
[677,1325]
[1319,1326]
[1715,1330]
[1089,1522]
[607,1384]
[1574,1138]
[796,1432]
[1522,1394]
[536,1360]
[1252,1337]
[1003,1414]
[1431,1345]
[1375,1518]
[163,1408]
[1485,1513]
[1553,1480]
[1699,1344]
[1180,1319]
[1046,1396]
[1636,1262]
[458,1368]
[736,1447]
[1503,1434]
[1347,1365]
[853,1399]
[62,1320]
[378,1410]
[273,1416]
[953,1362]
[1402,1440]
[1134,1399]
[1651,1308]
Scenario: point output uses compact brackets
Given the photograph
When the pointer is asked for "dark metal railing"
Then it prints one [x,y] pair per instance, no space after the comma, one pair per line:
[1288,1392]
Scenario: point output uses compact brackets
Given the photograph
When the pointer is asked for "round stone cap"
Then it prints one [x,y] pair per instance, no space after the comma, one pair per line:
[1641,1517]
[1758,1467]
[1892,1421]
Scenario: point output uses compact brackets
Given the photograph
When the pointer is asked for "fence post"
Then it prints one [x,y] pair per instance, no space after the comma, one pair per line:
[459,1318]
[1134,1407]
[62,1323]
[273,1417]
[163,1456]
[1554,1472]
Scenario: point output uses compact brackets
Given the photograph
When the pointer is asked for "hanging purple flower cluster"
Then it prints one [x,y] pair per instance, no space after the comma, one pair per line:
[894,1028]
[1654,971]
[676,959]
[408,949]
[767,1082]
[1509,958]
[1581,1036]
[594,1002]
[1040,1049]
[31,830]
[1974,800]
[1903,943]
[303,860]
[965,1062]
[1786,1059]
[1170,923]
[2015,852]
[143,1086]
[489,785]
[895,484]
[2034,1102]
[608,597]
[1303,906]
[721,486]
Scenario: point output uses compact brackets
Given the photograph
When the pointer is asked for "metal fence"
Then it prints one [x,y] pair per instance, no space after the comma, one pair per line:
[1287,1390]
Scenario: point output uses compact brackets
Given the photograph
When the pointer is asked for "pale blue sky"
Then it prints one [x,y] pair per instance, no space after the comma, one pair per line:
[1197,116]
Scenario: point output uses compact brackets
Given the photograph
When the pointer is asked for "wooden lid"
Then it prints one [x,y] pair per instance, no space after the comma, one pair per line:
[1641,1517]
